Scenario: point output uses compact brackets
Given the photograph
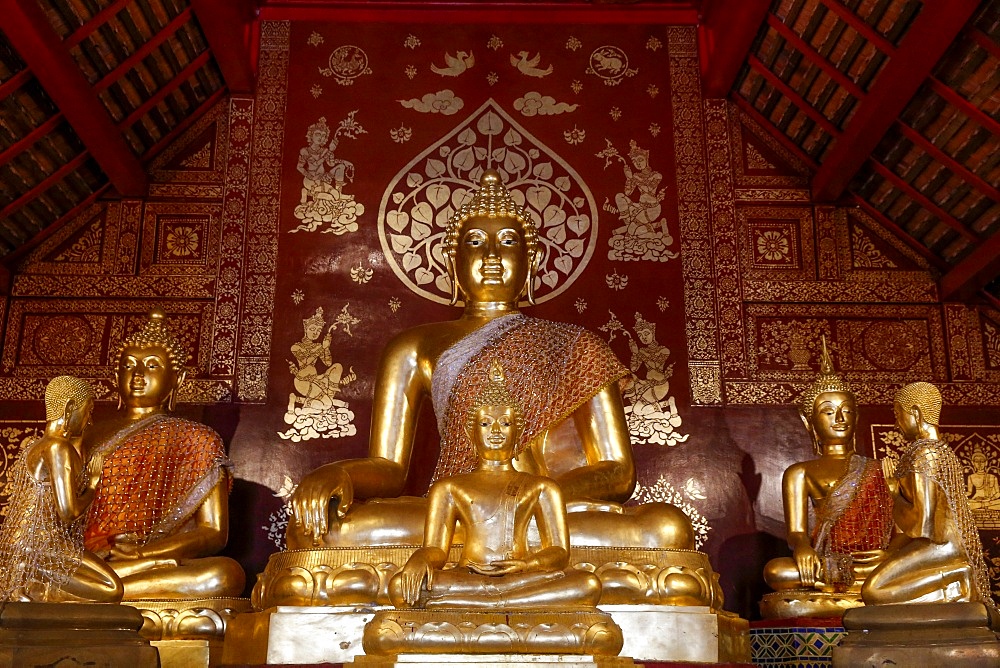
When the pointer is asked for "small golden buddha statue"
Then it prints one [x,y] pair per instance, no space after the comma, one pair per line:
[161,505]
[495,503]
[575,430]
[42,557]
[936,554]
[852,504]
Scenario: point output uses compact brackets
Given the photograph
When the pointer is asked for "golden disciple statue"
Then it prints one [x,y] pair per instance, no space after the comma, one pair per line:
[495,503]
[847,491]
[574,432]
[42,557]
[161,507]
[936,554]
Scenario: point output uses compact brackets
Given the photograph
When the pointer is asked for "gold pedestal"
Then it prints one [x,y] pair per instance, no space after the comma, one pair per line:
[469,631]
[790,603]
[189,619]
[919,634]
[359,576]
[39,634]
[492,661]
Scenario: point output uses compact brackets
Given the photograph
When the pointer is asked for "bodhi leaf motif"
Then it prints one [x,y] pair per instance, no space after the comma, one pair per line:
[427,192]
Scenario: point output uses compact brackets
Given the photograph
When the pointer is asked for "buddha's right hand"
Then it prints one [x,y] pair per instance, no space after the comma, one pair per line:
[809,565]
[311,499]
[417,570]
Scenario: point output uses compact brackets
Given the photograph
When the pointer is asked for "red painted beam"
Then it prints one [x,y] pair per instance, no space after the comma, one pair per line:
[796,99]
[850,18]
[144,50]
[974,271]
[930,35]
[900,233]
[680,13]
[782,138]
[724,38]
[169,88]
[924,201]
[227,27]
[966,107]
[985,41]
[32,36]
[955,166]
[95,22]
[14,83]
[44,184]
[815,57]
[29,139]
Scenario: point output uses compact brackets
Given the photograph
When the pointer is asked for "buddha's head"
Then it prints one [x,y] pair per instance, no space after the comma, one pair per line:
[979,461]
[71,400]
[828,408]
[917,406]
[491,246]
[150,366]
[495,420]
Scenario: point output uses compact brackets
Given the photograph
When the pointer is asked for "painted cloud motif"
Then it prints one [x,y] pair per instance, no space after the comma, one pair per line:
[536,104]
[442,102]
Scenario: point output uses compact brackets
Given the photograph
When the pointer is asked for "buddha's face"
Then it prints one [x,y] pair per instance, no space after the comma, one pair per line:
[906,422]
[979,462]
[491,261]
[145,378]
[835,417]
[494,433]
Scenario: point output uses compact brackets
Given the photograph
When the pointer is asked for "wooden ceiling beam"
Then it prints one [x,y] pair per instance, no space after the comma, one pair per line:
[14,84]
[782,138]
[973,272]
[46,183]
[985,41]
[930,35]
[29,139]
[848,16]
[227,27]
[189,71]
[29,31]
[95,22]
[797,100]
[144,50]
[815,57]
[966,107]
[190,120]
[725,37]
[923,201]
[955,166]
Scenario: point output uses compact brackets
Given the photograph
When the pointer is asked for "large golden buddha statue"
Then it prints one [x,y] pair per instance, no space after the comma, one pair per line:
[852,507]
[936,554]
[574,427]
[160,510]
[41,542]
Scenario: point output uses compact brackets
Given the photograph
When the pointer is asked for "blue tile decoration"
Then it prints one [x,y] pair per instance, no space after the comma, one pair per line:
[794,647]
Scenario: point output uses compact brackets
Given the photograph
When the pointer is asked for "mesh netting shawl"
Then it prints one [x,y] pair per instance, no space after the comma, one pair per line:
[936,460]
[857,513]
[154,476]
[36,546]
[551,368]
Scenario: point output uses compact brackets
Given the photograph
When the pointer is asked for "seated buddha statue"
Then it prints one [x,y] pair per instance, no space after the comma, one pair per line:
[936,554]
[160,510]
[41,542]
[568,380]
[848,494]
[497,569]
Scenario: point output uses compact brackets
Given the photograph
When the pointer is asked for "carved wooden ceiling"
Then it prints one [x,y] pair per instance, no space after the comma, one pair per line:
[892,103]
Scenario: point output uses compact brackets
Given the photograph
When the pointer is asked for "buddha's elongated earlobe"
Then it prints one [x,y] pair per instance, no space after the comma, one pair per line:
[529,287]
[172,398]
[449,263]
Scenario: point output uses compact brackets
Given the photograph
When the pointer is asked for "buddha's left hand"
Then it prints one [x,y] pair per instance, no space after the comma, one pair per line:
[501,567]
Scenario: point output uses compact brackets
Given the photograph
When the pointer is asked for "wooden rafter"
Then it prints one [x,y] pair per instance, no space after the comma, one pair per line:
[190,120]
[930,35]
[797,100]
[848,16]
[966,107]
[975,270]
[172,85]
[782,138]
[923,201]
[46,183]
[144,50]
[815,57]
[30,33]
[902,234]
[724,38]
[955,166]
[227,27]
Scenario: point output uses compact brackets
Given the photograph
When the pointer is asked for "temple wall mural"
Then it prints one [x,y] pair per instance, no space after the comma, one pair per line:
[291,234]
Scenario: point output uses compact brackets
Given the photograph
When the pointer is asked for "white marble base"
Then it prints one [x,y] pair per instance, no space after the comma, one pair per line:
[492,661]
[298,635]
[680,633]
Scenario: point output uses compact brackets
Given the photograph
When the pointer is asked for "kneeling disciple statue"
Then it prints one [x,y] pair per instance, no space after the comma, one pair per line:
[852,506]
[497,569]
[41,543]
[928,602]
[161,508]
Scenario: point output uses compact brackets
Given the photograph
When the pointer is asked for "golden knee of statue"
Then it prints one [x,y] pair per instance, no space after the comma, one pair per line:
[160,513]
[830,560]
[349,526]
